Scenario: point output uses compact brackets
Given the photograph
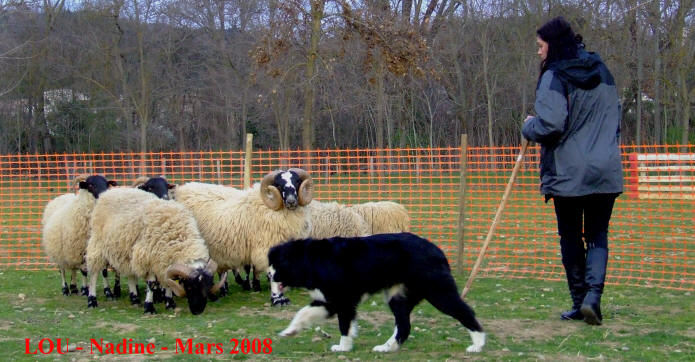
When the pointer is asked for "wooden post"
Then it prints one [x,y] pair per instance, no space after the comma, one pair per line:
[462,202]
[67,174]
[247,160]
[219,174]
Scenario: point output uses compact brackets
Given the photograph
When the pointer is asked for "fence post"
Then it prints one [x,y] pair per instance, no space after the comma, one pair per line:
[247,160]
[219,174]
[462,202]
[67,174]
[633,177]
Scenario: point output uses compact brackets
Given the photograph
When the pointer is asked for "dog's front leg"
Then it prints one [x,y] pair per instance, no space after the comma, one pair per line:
[345,321]
[305,318]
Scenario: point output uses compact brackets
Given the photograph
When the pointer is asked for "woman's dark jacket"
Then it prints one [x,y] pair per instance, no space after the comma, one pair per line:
[579,147]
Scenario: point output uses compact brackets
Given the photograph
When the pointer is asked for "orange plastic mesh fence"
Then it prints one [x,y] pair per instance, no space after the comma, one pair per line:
[651,239]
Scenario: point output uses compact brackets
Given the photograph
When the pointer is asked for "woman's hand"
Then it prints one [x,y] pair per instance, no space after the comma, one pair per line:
[527,118]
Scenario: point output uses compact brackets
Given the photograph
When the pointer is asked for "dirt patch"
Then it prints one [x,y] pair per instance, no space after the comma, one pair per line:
[122,328]
[689,333]
[275,312]
[526,329]
[6,325]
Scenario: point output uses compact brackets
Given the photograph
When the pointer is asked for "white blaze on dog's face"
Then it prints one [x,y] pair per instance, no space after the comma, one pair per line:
[275,287]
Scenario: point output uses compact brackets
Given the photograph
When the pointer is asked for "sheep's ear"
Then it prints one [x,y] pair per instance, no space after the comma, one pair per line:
[170,186]
[84,185]
[113,183]
[142,187]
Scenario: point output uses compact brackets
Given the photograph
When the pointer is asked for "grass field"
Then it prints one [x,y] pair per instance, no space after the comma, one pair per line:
[520,317]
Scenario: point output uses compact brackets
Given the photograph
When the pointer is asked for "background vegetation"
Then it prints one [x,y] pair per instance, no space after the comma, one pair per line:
[149,75]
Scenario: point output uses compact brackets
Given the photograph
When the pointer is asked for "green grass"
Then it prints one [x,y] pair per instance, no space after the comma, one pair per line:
[519,315]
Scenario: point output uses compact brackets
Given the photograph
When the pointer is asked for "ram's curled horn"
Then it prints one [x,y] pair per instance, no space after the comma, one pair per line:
[79,179]
[215,288]
[177,271]
[306,188]
[270,194]
[140,180]
[211,266]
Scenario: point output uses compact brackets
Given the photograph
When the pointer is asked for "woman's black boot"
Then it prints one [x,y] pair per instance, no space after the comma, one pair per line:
[596,261]
[575,264]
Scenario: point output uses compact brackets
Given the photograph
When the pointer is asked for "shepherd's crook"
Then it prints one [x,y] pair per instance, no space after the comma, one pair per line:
[498,216]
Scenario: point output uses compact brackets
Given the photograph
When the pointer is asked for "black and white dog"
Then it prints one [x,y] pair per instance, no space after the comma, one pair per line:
[339,272]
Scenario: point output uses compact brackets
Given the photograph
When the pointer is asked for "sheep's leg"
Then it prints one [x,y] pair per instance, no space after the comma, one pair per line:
[158,292]
[95,262]
[255,283]
[92,297]
[107,291]
[169,299]
[84,290]
[245,285]
[66,291]
[133,288]
[73,284]
[149,297]
[117,284]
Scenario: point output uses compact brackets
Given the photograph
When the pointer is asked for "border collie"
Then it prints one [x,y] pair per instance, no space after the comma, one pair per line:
[339,272]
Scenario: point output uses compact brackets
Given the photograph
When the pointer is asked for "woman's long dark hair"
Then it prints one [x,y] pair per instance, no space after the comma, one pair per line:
[562,42]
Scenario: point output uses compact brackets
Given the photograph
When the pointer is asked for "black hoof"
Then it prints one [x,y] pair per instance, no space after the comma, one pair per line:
[73,289]
[107,293]
[84,291]
[117,290]
[279,300]
[149,308]
[134,299]
[256,285]
[169,303]
[91,301]
[246,286]
[223,292]
[66,291]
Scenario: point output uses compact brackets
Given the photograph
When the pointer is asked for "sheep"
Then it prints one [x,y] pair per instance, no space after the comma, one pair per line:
[157,185]
[145,237]
[383,217]
[65,224]
[329,219]
[241,226]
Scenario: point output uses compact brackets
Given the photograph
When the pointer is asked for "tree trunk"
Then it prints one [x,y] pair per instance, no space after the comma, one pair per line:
[317,7]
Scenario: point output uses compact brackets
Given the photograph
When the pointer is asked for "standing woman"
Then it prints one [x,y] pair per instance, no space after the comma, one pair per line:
[578,128]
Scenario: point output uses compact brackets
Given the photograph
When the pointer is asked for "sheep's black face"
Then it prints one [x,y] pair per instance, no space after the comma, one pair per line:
[96,185]
[158,186]
[197,288]
[288,183]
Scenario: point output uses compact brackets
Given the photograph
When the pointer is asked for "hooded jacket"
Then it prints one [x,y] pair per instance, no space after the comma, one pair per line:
[578,128]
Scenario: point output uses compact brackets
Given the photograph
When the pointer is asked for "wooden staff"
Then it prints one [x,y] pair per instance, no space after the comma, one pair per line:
[498,216]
